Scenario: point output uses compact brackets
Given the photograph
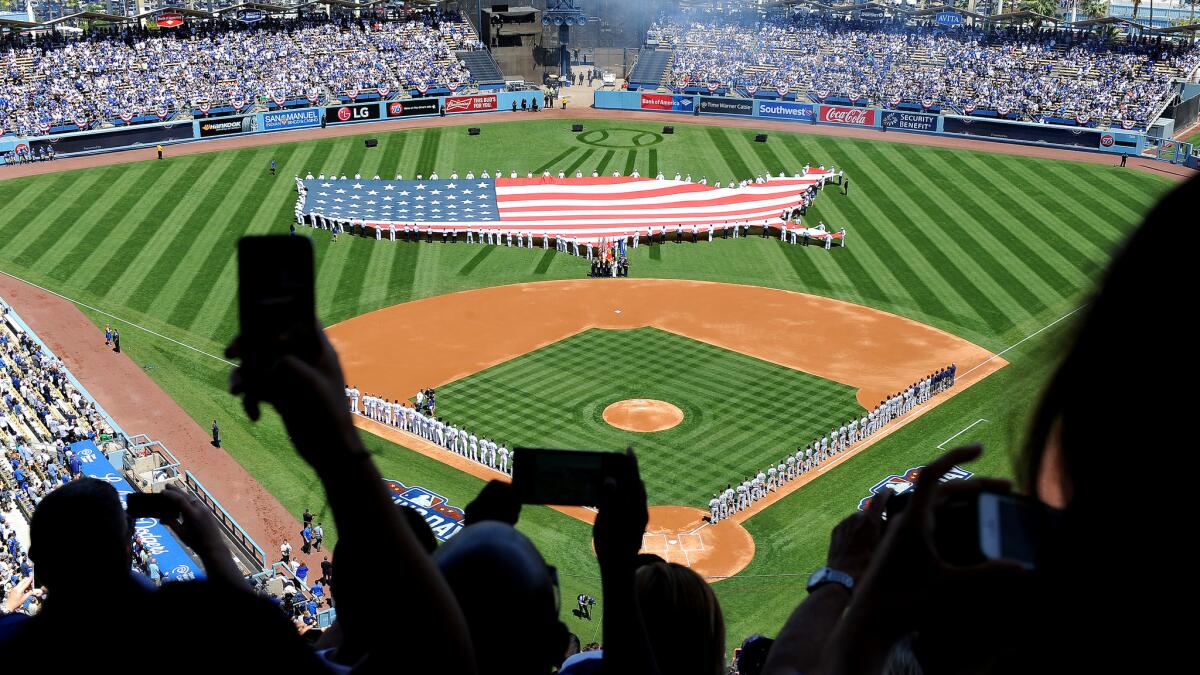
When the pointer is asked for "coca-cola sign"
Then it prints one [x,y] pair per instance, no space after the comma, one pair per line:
[836,114]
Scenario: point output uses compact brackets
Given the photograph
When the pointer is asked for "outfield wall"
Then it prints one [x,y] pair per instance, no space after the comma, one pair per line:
[165,133]
[1075,138]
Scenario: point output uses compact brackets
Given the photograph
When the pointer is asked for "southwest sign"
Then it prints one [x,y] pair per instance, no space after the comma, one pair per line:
[786,110]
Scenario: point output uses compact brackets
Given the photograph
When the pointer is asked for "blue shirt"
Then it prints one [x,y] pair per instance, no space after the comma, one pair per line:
[302,571]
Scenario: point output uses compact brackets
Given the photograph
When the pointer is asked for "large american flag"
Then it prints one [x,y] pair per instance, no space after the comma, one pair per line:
[586,208]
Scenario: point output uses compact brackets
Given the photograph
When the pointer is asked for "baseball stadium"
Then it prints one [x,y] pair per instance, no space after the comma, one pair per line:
[791,254]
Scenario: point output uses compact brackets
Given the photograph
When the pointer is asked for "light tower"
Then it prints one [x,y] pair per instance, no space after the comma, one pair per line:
[564,14]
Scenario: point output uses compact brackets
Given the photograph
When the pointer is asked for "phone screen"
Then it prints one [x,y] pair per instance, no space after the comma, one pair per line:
[1011,528]
[562,477]
[276,298]
[141,505]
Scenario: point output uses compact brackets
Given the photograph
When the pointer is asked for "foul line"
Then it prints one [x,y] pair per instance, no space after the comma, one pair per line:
[968,428]
[1022,341]
[117,318]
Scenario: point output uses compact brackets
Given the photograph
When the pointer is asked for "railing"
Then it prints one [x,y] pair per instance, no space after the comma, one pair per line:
[236,532]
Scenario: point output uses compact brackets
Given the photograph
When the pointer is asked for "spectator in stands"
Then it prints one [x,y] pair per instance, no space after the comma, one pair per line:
[310,398]
[999,616]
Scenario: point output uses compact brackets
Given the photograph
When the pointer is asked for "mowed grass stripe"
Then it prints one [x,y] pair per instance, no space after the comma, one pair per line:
[554,161]
[604,160]
[226,229]
[1055,217]
[430,141]
[55,221]
[1110,210]
[216,316]
[630,162]
[140,226]
[858,260]
[579,161]
[210,230]
[731,157]
[92,226]
[176,236]
[33,195]
[932,245]
[896,249]
[1079,251]
[1047,262]
[963,224]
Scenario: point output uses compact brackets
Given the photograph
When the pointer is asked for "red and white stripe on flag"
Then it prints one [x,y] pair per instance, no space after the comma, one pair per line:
[623,205]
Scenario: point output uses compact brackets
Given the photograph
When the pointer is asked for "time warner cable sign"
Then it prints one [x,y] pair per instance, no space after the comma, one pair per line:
[291,119]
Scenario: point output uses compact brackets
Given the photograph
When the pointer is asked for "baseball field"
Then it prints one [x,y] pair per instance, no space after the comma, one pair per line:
[996,250]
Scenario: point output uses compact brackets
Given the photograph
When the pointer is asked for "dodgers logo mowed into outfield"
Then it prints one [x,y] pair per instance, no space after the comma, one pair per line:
[901,483]
[444,519]
[620,138]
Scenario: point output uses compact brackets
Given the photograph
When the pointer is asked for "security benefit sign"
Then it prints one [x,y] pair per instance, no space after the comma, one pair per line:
[716,105]
[895,119]
[412,107]
[359,112]
[444,519]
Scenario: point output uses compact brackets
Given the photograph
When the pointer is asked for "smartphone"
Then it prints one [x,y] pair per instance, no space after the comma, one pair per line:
[1013,528]
[276,299]
[563,477]
[140,505]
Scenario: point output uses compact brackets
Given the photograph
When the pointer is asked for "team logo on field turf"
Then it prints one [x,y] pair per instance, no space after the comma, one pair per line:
[446,520]
[902,483]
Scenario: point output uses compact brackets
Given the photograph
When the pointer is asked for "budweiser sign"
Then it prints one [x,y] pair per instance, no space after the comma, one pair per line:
[836,114]
[466,104]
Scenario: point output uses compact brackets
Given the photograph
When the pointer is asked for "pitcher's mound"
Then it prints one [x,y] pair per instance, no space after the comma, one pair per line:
[680,535]
[643,414]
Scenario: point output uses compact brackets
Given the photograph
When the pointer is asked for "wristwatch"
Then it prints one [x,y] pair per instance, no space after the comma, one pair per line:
[828,575]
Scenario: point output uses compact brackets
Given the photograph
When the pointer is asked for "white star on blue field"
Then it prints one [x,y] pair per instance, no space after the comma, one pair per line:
[424,201]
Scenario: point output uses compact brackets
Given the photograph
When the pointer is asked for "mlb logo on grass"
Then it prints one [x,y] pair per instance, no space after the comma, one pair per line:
[444,519]
[902,483]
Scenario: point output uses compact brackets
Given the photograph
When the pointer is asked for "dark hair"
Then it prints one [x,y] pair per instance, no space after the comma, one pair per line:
[683,619]
[84,516]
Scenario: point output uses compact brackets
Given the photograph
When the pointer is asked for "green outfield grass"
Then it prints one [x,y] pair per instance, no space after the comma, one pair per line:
[988,247]
[740,414]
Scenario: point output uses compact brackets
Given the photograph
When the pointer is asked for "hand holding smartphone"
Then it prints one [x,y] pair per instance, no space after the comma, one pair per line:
[564,477]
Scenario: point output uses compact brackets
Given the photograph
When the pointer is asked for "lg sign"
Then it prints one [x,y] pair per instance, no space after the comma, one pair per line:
[353,113]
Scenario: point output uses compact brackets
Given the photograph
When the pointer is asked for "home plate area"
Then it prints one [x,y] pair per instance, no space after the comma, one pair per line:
[680,534]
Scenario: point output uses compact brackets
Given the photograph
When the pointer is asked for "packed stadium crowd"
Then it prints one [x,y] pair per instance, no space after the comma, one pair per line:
[906,586]
[1015,72]
[839,439]
[110,75]
[42,414]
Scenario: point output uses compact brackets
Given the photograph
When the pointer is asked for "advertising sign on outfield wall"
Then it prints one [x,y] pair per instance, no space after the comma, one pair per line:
[291,119]
[837,114]
[896,119]
[672,102]
[786,110]
[1026,133]
[470,104]
[224,126]
[125,137]
[412,107]
[716,105]
[360,112]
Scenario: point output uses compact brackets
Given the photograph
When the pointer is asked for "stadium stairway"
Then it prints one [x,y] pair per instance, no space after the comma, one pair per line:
[651,68]
[483,67]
